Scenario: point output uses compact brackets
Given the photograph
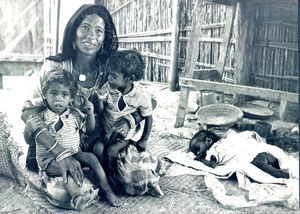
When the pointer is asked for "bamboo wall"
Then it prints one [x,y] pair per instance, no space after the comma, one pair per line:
[146,26]
[21,29]
[275,63]
[213,24]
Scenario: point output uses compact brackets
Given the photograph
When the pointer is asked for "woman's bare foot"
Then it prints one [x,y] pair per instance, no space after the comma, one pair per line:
[112,198]
[81,201]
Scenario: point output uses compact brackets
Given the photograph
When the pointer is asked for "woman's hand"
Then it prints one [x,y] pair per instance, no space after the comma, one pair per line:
[33,123]
[120,129]
[72,166]
[101,96]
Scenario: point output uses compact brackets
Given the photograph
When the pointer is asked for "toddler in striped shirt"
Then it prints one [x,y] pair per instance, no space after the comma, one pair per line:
[65,123]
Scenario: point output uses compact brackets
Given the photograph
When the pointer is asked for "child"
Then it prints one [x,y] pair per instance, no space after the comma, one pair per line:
[65,123]
[120,97]
[210,150]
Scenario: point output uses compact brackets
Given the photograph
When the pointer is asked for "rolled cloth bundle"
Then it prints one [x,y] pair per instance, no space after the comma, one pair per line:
[137,172]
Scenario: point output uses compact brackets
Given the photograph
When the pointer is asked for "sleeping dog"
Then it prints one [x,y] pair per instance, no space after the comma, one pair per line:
[203,140]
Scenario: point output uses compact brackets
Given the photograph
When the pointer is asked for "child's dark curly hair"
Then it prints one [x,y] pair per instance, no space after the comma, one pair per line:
[127,62]
[62,77]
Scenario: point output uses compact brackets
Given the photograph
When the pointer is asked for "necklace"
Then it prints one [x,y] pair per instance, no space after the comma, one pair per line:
[82,77]
[84,74]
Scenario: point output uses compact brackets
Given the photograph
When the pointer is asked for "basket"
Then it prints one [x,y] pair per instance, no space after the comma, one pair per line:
[254,111]
[219,114]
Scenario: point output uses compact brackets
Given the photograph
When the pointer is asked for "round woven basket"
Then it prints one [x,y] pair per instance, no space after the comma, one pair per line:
[255,111]
[219,114]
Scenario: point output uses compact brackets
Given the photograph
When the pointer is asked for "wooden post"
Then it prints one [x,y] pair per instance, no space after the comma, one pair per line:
[1,81]
[9,47]
[226,39]
[244,47]
[57,26]
[173,77]
[191,57]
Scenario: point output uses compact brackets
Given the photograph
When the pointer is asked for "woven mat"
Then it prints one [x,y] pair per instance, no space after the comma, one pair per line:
[183,194]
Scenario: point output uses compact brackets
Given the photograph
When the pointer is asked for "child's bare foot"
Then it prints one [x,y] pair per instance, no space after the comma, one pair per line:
[81,201]
[112,198]
[161,168]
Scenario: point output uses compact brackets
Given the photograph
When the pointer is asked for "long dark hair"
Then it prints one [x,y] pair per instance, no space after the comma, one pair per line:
[110,43]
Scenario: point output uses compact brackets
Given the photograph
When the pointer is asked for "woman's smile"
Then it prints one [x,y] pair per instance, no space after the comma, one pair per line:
[89,44]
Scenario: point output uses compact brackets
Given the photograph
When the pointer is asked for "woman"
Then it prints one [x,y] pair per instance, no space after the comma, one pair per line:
[89,40]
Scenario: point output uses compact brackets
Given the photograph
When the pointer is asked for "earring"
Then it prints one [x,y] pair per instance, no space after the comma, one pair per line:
[101,48]
[74,45]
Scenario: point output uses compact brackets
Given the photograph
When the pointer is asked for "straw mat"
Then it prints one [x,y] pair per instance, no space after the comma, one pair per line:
[183,194]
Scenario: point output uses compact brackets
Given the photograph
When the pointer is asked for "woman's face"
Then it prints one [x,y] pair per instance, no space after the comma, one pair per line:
[90,35]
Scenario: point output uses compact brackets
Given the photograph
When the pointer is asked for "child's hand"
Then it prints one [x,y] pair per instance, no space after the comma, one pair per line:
[89,107]
[102,96]
[141,145]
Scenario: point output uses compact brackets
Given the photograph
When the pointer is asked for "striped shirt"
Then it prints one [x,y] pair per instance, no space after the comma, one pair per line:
[67,136]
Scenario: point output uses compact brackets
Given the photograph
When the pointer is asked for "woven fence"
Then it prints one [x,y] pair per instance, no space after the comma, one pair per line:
[275,62]
[146,25]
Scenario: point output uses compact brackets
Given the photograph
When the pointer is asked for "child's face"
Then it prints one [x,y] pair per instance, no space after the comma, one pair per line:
[200,145]
[117,80]
[58,97]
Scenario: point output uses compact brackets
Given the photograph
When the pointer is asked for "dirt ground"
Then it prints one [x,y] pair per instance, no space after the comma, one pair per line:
[14,201]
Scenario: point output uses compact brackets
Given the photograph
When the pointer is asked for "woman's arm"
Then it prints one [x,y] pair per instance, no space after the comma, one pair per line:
[90,117]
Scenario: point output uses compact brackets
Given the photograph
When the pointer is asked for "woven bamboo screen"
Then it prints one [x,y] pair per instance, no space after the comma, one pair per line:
[21,30]
[146,26]
[275,64]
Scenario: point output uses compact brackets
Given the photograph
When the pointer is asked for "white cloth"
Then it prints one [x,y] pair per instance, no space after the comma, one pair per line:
[239,162]
[270,188]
